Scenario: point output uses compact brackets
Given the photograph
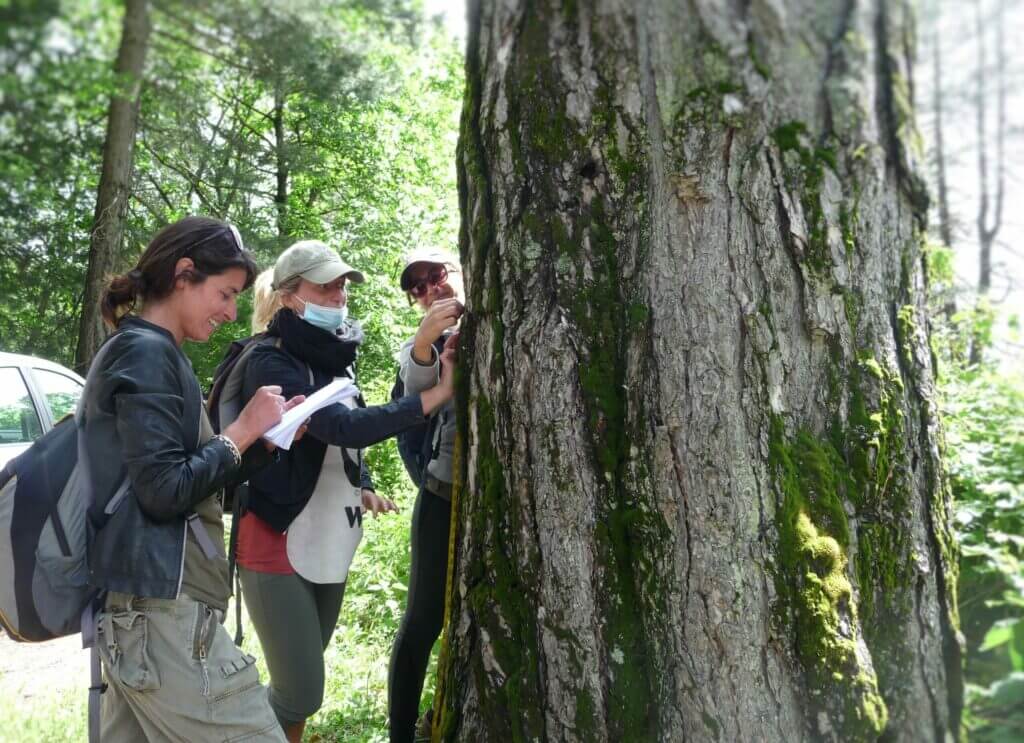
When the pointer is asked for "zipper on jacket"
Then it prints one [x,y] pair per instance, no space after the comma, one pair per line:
[184,526]
[181,567]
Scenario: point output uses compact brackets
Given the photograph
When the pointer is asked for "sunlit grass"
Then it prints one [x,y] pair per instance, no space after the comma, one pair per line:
[54,718]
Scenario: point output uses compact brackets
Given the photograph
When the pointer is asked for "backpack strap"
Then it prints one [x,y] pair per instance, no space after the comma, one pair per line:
[201,536]
[96,685]
[83,460]
[240,504]
[430,448]
[95,604]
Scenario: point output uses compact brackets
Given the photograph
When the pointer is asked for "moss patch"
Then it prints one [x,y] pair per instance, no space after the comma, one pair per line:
[816,595]
[804,168]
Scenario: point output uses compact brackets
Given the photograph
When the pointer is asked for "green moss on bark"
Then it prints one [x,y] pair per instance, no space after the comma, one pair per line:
[804,167]
[813,533]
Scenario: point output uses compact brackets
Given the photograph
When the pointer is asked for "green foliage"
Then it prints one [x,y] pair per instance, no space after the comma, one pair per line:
[60,717]
[334,120]
[55,74]
[984,415]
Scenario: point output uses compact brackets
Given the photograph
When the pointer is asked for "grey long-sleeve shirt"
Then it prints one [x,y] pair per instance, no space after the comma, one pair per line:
[418,377]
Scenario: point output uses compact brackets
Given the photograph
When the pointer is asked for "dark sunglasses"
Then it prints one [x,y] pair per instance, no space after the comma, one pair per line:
[437,276]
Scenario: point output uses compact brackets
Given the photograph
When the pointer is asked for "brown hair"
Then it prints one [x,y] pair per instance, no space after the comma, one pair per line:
[213,246]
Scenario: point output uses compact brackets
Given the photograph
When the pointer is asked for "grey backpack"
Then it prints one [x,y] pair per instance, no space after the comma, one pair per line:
[44,494]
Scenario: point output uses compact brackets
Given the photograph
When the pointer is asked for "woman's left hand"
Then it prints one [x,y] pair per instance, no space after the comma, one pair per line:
[373,503]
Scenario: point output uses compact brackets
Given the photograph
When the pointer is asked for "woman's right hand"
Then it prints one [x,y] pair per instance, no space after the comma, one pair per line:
[261,413]
[442,315]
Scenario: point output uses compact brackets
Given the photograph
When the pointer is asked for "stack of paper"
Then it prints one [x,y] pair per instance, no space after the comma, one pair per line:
[283,433]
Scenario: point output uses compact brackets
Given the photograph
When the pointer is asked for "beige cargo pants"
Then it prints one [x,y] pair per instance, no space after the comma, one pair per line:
[173,674]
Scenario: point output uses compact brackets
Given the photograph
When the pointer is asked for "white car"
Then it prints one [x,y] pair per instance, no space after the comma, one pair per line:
[34,395]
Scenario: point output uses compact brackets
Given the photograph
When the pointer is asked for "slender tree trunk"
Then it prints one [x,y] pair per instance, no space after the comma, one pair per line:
[945,223]
[699,493]
[989,226]
[35,336]
[984,246]
[938,110]
[280,152]
[115,179]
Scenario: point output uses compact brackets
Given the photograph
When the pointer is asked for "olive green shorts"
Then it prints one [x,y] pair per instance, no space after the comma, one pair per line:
[173,674]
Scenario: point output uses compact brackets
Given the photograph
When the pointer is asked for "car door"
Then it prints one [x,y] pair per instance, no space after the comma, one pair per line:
[20,422]
[58,394]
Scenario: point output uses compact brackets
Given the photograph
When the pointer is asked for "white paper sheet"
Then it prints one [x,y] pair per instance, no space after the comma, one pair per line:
[283,433]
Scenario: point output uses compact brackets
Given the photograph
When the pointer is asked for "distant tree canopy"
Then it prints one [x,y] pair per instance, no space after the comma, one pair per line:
[333,120]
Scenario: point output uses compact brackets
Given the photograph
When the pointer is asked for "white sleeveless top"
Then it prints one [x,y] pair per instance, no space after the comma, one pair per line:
[322,539]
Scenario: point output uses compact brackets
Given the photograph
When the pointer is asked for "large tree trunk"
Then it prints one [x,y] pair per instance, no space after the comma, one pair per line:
[700,494]
[115,180]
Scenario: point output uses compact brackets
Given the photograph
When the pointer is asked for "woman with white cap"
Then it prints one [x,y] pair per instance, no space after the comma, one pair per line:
[304,513]
[431,278]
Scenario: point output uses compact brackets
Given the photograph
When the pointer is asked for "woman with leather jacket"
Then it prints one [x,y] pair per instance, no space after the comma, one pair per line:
[156,540]
[305,512]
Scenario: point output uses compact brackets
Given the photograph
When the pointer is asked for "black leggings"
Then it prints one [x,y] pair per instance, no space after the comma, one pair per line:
[424,613]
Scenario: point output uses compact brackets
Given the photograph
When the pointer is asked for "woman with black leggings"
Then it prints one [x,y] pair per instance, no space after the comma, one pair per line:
[431,279]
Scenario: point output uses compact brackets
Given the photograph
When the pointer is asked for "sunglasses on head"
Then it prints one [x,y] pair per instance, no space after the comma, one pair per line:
[437,275]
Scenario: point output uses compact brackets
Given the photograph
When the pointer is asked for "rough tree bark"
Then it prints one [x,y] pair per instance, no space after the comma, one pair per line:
[115,179]
[700,493]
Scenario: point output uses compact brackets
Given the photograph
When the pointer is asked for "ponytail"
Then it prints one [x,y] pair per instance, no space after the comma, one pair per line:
[120,296]
[265,301]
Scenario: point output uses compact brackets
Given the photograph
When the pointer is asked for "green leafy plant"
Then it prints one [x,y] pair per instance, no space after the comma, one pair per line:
[984,414]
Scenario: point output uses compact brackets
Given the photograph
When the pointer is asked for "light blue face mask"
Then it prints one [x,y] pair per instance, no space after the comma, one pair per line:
[325,318]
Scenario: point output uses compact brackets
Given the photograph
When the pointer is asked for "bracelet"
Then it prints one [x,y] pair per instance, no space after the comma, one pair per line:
[232,447]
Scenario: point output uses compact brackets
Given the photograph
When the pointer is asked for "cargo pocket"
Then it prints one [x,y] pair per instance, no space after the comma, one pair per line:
[227,671]
[237,702]
[124,647]
[233,678]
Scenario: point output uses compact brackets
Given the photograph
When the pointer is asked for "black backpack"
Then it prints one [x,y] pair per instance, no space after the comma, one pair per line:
[223,404]
[415,445]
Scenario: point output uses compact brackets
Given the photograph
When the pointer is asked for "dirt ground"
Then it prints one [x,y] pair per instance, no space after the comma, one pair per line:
[30,670]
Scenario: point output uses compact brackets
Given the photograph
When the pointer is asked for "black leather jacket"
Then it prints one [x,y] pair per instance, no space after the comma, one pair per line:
[142,417]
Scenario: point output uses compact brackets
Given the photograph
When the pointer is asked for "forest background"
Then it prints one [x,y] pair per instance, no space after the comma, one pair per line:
[338,120]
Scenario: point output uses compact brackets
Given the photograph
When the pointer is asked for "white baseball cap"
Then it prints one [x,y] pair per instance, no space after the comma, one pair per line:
[433,256]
